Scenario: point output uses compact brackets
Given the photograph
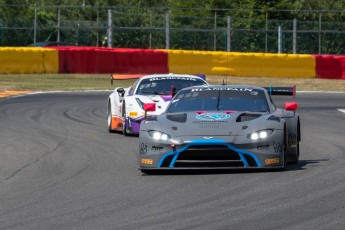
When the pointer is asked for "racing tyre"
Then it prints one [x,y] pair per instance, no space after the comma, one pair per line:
[295,157]
[125,131]
[109,118]
[285,160]
[124,128]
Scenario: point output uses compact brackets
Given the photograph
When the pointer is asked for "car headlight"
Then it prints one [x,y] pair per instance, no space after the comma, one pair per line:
[157,135]
[261,134]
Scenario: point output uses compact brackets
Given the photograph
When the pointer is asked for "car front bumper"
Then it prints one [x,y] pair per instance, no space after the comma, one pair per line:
[211,154]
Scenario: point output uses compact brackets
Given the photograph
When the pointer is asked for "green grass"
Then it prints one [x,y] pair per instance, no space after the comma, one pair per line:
[53,82]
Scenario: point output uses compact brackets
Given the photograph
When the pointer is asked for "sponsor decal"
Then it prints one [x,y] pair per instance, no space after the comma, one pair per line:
[272,161]
[156,148]
[143,148]
[263,147]
[133,114]
[146,161]
[222,88]
[172,78]
[213,116]
[278,148]
[209,124]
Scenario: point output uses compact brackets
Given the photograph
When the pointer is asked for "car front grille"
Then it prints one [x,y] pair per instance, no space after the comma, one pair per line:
[206,156]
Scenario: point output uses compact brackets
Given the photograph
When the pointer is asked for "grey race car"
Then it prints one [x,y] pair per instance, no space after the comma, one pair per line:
[221,127]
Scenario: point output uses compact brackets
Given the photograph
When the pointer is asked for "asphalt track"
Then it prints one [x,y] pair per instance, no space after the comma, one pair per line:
[61,169]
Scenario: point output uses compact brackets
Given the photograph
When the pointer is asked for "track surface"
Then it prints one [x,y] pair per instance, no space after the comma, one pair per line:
[60,169]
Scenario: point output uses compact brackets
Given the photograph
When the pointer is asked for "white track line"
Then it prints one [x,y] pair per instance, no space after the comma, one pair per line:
[341,110]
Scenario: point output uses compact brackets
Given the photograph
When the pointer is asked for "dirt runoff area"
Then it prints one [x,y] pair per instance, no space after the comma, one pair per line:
[9,93]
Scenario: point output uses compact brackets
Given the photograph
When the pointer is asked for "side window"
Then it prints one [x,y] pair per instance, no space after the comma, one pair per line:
[131,90]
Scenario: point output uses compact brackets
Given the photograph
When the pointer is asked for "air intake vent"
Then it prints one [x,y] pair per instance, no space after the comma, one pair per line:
[200,156]
[177,117]
[247,117]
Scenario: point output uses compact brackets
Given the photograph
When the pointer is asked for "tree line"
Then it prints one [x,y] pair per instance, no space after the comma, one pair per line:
[140,23]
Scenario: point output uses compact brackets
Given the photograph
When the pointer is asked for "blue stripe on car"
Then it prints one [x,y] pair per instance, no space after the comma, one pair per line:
[240,152]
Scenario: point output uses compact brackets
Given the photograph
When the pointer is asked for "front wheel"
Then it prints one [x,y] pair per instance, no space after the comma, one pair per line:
[109,118]
[296,155]
[298,139]
[125,131]
[285,160]
[124,127]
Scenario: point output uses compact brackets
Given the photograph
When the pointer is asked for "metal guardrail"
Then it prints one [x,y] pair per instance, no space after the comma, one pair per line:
[160,28]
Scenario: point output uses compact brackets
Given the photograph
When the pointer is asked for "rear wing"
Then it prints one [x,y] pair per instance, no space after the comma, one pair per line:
[282,91]
[202,76]
[135,76]
[124,77]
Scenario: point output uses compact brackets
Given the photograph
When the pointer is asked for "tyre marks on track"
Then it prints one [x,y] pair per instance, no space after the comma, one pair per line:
[35,161]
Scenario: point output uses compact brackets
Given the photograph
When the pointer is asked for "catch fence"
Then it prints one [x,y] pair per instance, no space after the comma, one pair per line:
[284,31]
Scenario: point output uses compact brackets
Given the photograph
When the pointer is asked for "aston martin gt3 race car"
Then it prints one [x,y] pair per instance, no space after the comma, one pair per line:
[125,109]
[221,127]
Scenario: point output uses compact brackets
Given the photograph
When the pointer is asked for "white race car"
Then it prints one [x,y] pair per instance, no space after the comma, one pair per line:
[126,105]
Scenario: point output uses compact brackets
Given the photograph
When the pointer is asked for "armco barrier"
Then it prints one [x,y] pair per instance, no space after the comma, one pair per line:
[50,61]
[23,60]
[138,61]
[241,64]
[26,60]
[197,62]
[104,60]
[330,67]
[77,59]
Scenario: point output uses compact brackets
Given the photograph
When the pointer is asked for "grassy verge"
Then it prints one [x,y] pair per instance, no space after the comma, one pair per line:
[53,82]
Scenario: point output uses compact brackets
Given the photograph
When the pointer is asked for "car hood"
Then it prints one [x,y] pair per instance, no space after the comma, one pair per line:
[161,102]
[214,123]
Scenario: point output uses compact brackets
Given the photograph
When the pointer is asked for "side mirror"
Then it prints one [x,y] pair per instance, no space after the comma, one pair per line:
[291,106]
[120,91]
[149,107]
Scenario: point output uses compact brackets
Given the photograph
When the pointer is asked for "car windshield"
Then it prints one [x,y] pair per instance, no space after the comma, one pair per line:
[219,99]
[162,85]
